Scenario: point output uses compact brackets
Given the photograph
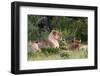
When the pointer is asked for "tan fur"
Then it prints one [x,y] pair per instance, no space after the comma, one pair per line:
[83,47]
[52,41]
[75,45]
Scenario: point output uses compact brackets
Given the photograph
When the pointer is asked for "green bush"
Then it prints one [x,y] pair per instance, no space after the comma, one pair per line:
[69,26]
[65,55]
[49,51]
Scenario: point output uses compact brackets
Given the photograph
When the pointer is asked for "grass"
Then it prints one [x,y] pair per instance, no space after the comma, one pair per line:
[57,54]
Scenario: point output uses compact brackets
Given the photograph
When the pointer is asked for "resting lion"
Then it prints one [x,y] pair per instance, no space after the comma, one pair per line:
[52,42]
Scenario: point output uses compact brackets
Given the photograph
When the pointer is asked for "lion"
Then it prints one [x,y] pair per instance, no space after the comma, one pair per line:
[75,45]
[52,42]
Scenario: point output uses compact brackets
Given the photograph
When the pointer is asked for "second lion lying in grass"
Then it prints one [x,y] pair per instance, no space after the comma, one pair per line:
[75,45]
[52,42]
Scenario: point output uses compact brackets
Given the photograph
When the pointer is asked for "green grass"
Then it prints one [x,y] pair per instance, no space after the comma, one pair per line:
[57,54]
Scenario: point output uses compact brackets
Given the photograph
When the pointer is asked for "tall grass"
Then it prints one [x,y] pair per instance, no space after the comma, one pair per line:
[57,54]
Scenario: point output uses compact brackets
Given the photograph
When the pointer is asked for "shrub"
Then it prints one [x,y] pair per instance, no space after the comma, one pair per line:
[64,55]
[48,51]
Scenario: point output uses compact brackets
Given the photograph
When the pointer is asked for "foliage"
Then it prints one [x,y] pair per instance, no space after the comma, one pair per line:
[69,26]
[49,51]
[57,54]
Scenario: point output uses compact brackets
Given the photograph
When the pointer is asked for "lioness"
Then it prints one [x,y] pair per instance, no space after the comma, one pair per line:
[52,42]
[75,45]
